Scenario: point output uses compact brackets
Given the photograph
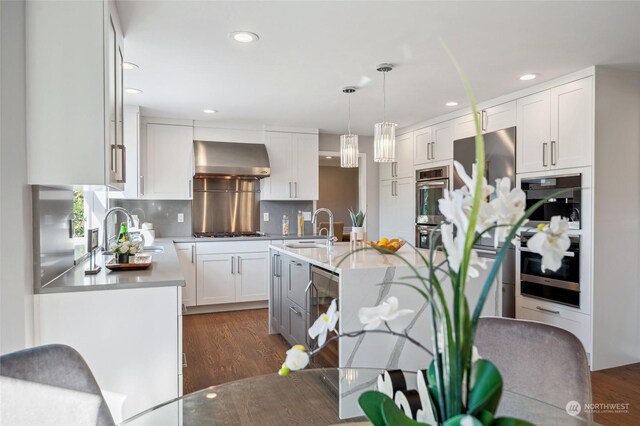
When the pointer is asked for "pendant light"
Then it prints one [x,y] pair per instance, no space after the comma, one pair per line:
[349,142]
[384,139]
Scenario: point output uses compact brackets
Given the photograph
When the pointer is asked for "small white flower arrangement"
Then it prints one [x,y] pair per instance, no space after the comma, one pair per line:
[126,248]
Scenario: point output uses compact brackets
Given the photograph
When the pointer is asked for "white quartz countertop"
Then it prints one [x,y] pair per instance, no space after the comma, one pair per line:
[164,271]
[341,257]
[266,237]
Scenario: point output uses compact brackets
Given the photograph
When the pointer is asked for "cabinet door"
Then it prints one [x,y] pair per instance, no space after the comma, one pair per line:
[112,153]
[499,117]
[305,166]
[215,279]
[404,214]
[534,129]
[442,138]
[571,124]
[387,170]
[169,161]
[387,200]
[251,277]
[186,256]
[404,155]
[279,185]
[121,150]
[464,127]
[421,148]
[295,323]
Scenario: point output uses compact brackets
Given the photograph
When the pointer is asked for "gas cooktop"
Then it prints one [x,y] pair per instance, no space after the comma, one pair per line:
[227,234]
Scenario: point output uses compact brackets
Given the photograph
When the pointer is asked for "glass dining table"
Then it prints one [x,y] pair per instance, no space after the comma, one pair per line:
[309,397]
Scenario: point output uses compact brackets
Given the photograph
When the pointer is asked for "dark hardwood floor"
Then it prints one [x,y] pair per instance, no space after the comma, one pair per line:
[228,346]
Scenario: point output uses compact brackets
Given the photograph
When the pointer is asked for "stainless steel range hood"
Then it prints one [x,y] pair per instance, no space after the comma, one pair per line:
[223,159]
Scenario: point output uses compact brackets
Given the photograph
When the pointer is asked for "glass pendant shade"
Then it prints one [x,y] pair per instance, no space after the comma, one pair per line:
[349,151]
[384,142]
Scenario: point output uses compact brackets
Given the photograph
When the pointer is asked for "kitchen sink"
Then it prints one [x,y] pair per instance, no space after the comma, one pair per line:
[302,245]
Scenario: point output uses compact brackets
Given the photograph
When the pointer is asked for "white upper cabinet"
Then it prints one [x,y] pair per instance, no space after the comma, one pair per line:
[555,128]
[433,143]
[131,127]
[169,164]
[403,166]
[293,158]
[494,118]
[74,113]
[464,127]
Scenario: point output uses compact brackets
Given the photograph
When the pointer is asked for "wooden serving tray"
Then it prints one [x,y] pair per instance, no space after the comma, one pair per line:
[135,263]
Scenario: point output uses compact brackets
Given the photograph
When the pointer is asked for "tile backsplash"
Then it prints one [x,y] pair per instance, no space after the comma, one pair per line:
[162,213]
[278,208]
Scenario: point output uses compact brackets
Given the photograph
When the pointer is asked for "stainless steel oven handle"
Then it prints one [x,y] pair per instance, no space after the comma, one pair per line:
[540,308]
[566,253]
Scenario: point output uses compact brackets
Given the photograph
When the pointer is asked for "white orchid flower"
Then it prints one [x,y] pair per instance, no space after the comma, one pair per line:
[455,252]
[297,359]
[388,310]
[470,182]
[453,207]
[508,206]
[325,323]
[551,242]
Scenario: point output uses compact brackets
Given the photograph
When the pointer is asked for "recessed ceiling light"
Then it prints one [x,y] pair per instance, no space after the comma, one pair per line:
[209,111]
[129,66]
[526,77]
[133,90]
[328,158]
[244,36]
[451,103]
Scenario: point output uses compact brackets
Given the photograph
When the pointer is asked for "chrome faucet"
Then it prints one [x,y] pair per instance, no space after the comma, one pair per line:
[331,239]
[105,228]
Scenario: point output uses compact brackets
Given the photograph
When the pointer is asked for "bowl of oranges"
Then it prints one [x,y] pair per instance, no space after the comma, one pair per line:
[385,245]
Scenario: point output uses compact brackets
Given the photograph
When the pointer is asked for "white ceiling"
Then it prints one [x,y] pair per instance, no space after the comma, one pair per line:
[309,50]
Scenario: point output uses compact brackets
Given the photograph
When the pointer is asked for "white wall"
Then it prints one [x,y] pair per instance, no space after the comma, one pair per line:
[329,142]
[16,283]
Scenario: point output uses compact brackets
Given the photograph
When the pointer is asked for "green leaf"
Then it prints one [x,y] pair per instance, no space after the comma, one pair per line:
[394,416]
[486,387]
[485,417]
[371,403]
[455,421]
[510,421]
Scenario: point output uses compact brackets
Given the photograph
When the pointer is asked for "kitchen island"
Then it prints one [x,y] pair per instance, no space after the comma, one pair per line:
[364,278]
[127,325]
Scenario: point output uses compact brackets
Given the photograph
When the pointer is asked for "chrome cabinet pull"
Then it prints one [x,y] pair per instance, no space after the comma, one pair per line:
[290,190]
[232,260]
[485,119]
[296,263]
[239,265]
[433,150]
[124,163]
[278,266]
[540,308]
[193,253]
[544,154]
[141,185]
[553,153]
[184,360]
[294,311]
[295,189]
[190,195]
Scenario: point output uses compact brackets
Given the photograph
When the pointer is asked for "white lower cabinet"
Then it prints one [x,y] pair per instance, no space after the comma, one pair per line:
[231,272]
[131,339]
[187,258]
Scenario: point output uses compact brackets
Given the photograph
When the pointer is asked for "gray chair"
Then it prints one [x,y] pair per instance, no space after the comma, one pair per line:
[537,360]
[55,365]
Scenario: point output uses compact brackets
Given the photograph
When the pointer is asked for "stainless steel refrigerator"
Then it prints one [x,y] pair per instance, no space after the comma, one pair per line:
[500,157]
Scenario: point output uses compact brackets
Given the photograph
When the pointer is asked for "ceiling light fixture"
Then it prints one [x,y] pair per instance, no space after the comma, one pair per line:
[451,104]
[133,90]
[209,111]
[349,143]
[527,77]
[384,136]
[244,36]
[129,66]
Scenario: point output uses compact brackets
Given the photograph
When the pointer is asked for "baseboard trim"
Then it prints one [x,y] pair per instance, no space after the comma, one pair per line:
[226,307]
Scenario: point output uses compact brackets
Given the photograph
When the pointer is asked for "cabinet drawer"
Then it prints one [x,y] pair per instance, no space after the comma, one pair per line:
[576,323]
[213,247]
[296,323]
[299,274]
